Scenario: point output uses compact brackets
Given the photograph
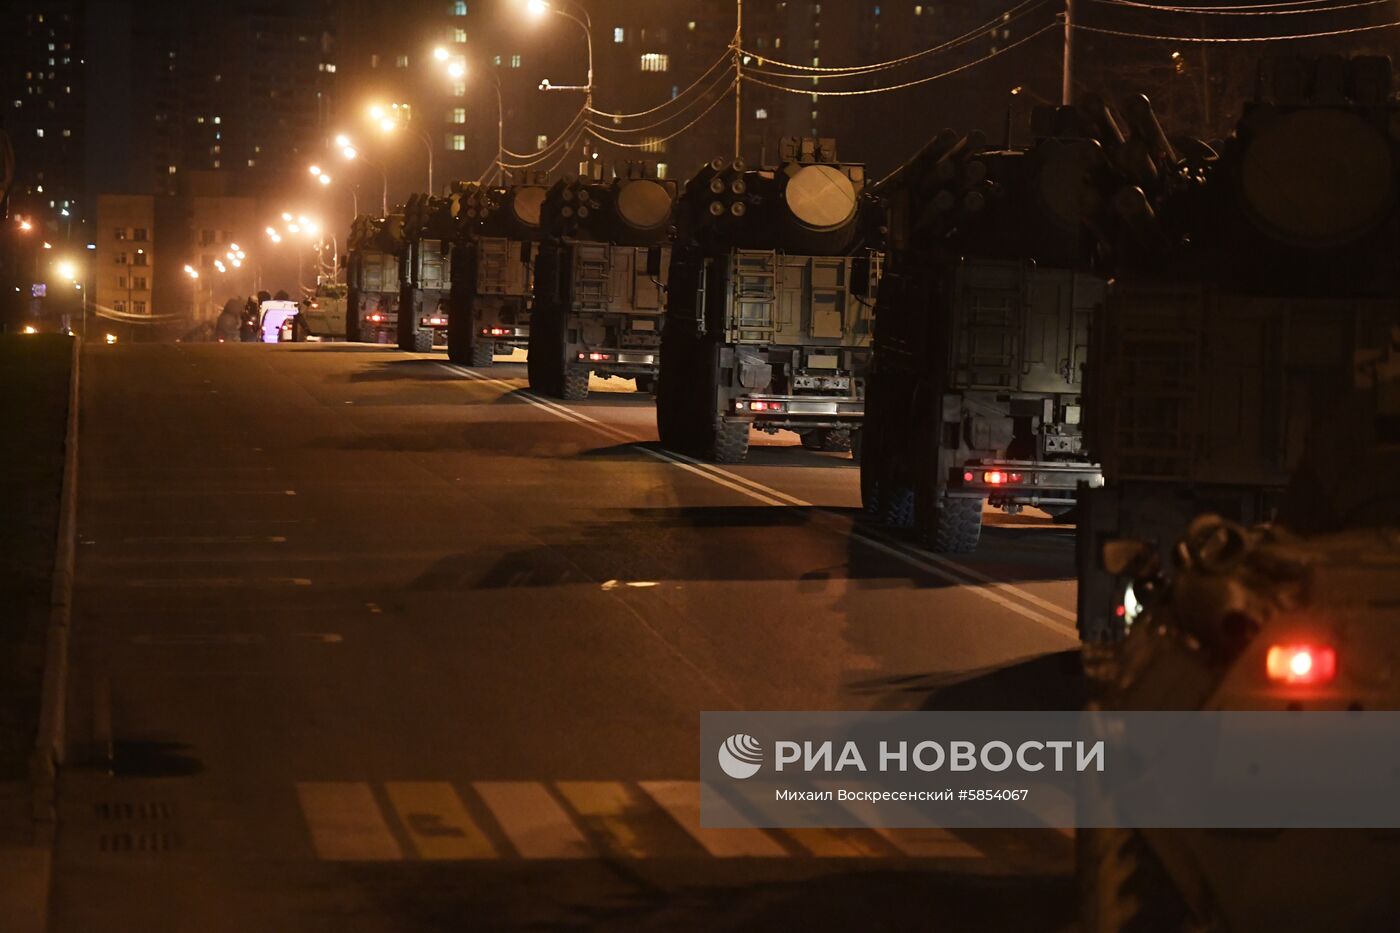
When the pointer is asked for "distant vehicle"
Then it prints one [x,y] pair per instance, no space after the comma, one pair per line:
[372,278]
[323,316]
[276,320]
[425,272]
[493,263]
[770,299]
[600,281]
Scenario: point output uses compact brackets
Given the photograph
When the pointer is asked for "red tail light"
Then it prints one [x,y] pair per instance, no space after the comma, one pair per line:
[1305,665]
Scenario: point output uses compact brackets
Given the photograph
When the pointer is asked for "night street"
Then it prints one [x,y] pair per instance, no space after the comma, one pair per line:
[380,643]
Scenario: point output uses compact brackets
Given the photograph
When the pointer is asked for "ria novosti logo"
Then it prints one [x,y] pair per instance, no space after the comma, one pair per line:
[740,756]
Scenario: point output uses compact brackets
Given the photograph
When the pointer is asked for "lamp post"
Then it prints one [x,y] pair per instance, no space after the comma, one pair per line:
[350,152]
[456,70]
[400,116]
[539,8]
[325,180]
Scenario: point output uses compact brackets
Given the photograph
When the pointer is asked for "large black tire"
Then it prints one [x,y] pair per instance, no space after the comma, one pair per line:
[482,353]
[353,330]
[423,341]
[1123,887]
[832,440]
[729,443]
[952,526]
[646,384]
[574,384]
[410,309]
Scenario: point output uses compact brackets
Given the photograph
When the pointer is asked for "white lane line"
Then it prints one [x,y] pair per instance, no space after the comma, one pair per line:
[933,564]
[534,822]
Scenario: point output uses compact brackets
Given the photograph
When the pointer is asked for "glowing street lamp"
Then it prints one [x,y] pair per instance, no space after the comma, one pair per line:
[25,225]
[324,179]
[457,70]
[441,54]
[67,269]
[191,271]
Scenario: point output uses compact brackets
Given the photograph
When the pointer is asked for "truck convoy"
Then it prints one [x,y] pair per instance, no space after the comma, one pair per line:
[497,232]
[372,278]
[1272,277]
[771,290]
[425,272]
[600,281]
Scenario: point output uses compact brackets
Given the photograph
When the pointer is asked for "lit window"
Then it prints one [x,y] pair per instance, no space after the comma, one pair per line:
[67,133]
[139,307]
[401,61]
[656,61]
[496,61]
[619,34]
[459,89]
[459,8]
[459,35]
[661,169]
[653,144]
[457,115]
[760,114]
[39,133]
[515,61]
[918,10]
[690,25]
[457,143]
[541,141]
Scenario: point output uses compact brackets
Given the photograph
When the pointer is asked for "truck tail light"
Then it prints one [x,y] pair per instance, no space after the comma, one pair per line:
[1000,478]
[436,321]
[376,319]
[742,405]
[595,357]
[495,332]
[1301,664]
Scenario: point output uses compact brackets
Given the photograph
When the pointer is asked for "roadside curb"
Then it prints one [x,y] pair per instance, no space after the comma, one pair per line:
[48,750]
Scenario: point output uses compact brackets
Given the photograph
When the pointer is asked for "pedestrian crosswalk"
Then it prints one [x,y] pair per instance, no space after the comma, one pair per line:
[351,821]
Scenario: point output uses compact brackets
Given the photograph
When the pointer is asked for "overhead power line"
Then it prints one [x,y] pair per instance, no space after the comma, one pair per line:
[1229,39]
[593,129]
[725,56]
[748,75]
[1252,9]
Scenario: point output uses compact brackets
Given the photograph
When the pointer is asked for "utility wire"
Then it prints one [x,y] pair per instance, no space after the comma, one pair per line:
[1254,9]
[1223,39]
[726,75]
[897,87]
[963,39]
[726,56]
[593,130]
[541,155]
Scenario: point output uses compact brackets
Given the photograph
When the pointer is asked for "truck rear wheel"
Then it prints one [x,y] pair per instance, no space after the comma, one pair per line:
[482,353]
[951,526]
[1123,886]
[574,384]
[729,442]
[834,440]
[423,341]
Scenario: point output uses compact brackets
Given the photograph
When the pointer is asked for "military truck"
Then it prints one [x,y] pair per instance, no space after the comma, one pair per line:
[1302,614]
[1275,274]
[770,296]
[600,281]
[372,278]
[425,272]
[974,394]
[493,252]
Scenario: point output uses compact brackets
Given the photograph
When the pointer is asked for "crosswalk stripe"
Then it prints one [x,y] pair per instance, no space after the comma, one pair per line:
[609,808]
[345,822]
[532,820]
[918,843]
[681,799]
[438,824]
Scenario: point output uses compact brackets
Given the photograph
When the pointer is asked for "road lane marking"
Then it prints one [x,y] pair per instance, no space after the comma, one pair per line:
[207,539]
[345,822]
[681,799]
[831,843]
[936,565]
[534,822]
[437,822]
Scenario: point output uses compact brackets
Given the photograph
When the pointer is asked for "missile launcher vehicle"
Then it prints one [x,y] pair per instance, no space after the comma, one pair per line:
[600,281]
[372,278]
[770,296]
[493,252]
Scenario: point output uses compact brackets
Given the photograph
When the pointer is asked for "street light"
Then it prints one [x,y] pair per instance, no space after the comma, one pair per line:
[67,270]
[351,153]
[441,54]
[537,9]
[400,116]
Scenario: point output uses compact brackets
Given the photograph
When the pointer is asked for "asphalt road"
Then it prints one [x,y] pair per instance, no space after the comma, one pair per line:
[364,641]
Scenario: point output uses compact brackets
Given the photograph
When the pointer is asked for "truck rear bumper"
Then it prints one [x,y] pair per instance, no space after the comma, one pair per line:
[620,362]
[1023,482]
[798,411]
